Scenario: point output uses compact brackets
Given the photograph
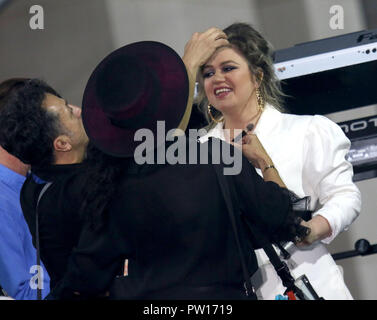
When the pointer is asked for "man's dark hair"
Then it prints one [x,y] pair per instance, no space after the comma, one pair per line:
[27,130]
[8,86]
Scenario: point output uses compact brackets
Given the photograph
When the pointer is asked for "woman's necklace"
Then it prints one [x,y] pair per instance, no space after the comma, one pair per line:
[251,124]
[260,111]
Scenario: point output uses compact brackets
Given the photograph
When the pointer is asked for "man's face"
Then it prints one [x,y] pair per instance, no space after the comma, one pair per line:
[70,119]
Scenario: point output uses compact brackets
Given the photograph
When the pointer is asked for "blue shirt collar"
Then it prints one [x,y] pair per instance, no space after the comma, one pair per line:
[11,178]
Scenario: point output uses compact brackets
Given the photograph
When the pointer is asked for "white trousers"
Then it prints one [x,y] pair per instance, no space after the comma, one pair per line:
[314,261]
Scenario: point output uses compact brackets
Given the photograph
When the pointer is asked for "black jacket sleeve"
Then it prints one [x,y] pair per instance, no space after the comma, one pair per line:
[93,264]
[275,211]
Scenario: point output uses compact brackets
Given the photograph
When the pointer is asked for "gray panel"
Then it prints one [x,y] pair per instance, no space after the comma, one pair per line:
[75,38]
[370,11]
[283,23]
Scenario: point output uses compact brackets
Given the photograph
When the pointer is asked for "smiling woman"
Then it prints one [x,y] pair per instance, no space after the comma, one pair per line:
[238,87]
[229,85]
[249,49]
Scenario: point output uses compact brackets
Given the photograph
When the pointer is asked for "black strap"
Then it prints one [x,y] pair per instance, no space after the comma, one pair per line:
[46,186]
[258,238]
[280,266]
[226,193]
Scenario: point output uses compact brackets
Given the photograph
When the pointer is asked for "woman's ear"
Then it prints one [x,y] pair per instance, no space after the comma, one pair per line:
[62,144]
[259,78]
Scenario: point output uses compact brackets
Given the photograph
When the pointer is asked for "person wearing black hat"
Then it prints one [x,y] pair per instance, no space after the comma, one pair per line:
[52,139]
[176,236]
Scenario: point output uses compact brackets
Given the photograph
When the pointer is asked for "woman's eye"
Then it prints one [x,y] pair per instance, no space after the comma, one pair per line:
[228,68]
[208,74]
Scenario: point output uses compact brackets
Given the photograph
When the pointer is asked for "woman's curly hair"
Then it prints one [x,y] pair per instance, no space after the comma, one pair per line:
[27,130]
[103,174]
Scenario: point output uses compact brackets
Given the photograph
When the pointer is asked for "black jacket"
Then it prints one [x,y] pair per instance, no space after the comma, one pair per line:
[59,222]
[171,223]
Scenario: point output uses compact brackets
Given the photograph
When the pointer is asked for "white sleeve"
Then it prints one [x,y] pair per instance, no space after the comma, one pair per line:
[329,176]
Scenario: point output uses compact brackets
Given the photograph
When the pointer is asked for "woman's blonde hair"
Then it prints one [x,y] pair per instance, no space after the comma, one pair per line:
[258,53]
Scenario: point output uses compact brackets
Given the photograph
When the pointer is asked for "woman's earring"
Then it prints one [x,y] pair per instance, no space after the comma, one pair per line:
[212,117]
[260,100]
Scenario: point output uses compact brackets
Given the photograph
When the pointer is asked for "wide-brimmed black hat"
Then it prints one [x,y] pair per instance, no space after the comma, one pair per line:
[132,88]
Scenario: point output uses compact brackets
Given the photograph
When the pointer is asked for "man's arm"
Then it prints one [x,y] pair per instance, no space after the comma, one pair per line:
[17,257]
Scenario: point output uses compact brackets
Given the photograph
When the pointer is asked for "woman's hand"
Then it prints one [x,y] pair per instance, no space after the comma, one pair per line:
[200,48]
[319,229]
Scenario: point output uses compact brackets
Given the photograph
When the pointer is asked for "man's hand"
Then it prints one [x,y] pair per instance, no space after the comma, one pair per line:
[253,150]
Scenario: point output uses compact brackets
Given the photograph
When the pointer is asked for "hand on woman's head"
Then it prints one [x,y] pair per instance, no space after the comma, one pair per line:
[201,46]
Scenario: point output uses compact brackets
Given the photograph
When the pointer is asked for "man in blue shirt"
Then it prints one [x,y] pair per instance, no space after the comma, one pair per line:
[42,129]
[17,254]
[18,270]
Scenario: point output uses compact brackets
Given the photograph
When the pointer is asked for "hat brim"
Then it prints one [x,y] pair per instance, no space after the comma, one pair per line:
[173,105]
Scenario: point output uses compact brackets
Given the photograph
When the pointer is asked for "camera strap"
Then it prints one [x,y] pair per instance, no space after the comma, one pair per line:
[258,238]
[229,204]
[44,189]
[280,266]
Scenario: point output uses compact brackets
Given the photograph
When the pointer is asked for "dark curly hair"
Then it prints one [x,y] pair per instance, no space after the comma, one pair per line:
[9,86]
[27,130]
[258,53]
[102,175]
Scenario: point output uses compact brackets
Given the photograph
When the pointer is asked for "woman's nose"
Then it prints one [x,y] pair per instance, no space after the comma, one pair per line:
[218,77]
